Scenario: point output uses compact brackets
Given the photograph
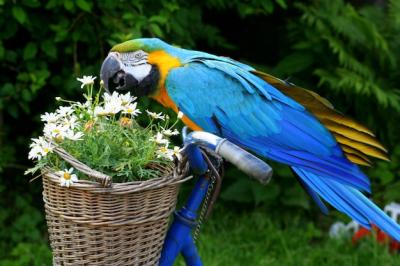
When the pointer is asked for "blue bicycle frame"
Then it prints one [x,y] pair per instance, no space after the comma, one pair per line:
[179,239]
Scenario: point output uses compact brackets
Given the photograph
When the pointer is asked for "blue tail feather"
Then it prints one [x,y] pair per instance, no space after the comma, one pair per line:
[350,201]
[314,196]
[319,185]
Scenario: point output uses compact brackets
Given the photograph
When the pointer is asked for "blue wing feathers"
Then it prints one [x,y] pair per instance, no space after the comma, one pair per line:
[253,114]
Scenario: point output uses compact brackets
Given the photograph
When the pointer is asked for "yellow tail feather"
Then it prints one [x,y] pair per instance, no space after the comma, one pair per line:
[352,134]
[362,147]
[350,152]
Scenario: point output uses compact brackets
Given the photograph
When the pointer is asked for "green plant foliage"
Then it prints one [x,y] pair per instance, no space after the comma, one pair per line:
[353,53]
[247,8]
[123,153]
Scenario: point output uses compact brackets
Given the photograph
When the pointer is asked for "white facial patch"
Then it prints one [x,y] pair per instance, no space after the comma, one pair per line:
[135,63]
[139,72]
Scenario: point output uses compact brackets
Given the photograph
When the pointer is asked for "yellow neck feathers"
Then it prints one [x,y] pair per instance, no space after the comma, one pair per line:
[165,63]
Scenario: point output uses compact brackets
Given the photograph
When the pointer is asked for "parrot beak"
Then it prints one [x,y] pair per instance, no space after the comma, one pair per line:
[118,76]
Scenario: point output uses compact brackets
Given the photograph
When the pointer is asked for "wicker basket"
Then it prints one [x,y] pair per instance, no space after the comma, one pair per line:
[96,223]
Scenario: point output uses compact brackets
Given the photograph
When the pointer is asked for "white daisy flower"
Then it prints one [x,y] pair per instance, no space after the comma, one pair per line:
[177,152]
[46,148]
[169,132]
[113,107]
[39,141]
[159,138]
[74,136]
[49,117]
[100,111]
[155,115]
[164,152]
[35,153]
[64,111]
[131,109]
[67,178]
[55,131]
[39,148]
[70,122]
[84,105]
[86,80]
[126,99]
[114,97]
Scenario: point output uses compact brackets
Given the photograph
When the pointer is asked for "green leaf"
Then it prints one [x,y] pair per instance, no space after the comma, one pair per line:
[49,48]
[266,193]
[30,51]
[295,196]
[281,3]
[19,14]
[7,89]
[26,95]
[386,176]
[294,63]
[156,30]
[31,3]
[85,6]
[267,5]
[69,5]
[159,19]
[239,191]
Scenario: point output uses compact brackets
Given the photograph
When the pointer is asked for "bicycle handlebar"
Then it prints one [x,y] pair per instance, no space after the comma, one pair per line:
[243,160]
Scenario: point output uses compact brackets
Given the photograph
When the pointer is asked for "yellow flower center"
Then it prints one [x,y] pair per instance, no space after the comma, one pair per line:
[125,122]
[67,176]
[163,149]
[46,150]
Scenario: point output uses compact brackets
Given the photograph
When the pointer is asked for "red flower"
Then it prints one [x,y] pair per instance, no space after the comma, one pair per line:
[381,237]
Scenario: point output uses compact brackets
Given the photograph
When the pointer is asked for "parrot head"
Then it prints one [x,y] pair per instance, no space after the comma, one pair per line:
[126,68]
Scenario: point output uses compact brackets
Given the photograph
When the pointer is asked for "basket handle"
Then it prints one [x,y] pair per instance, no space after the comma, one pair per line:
[103,179]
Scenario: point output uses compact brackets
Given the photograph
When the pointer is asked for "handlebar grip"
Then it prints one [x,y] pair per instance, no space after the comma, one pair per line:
[245,161]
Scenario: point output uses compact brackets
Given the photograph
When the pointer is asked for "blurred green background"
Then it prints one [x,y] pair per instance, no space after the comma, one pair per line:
[348,51]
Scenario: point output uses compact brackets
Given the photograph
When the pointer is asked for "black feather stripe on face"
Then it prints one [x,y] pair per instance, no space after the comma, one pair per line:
[149,84]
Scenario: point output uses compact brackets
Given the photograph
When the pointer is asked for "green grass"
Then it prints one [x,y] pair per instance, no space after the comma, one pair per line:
[252,238]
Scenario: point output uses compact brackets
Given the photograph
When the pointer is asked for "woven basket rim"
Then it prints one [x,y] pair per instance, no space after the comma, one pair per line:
[170,177]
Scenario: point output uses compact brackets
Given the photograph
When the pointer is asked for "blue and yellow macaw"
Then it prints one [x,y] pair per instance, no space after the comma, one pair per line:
[271,117]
